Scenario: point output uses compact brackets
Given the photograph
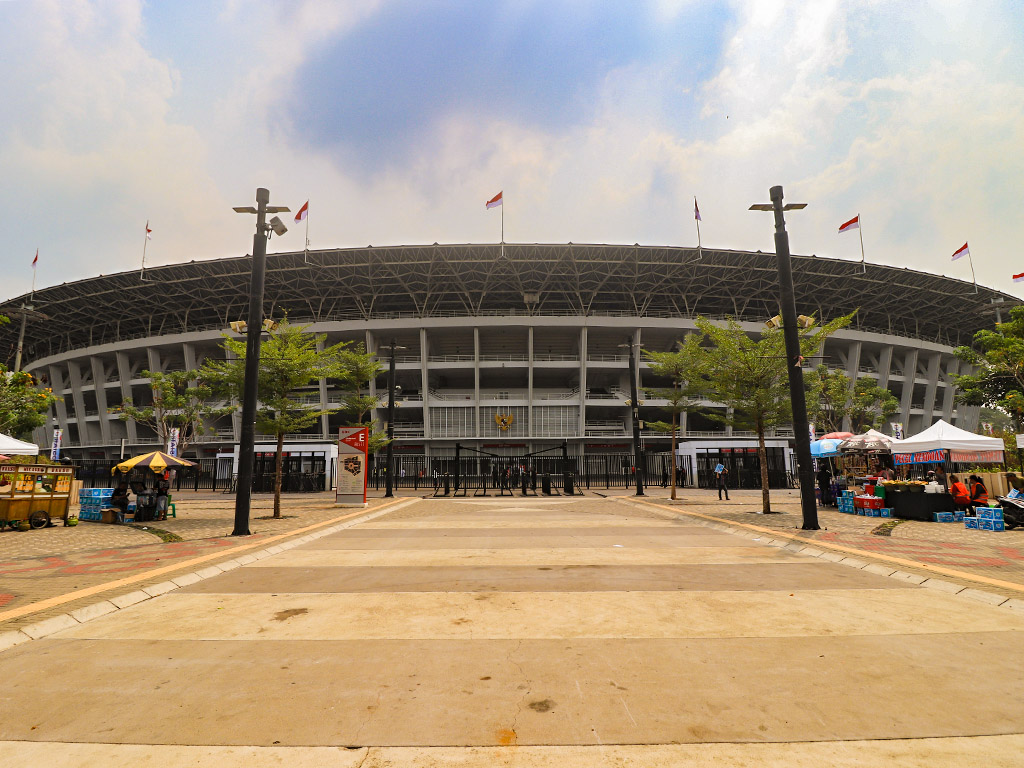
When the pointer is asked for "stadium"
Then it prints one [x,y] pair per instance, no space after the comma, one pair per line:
[506,349]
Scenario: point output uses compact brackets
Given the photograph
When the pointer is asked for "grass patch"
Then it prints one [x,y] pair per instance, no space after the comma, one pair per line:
[165,536]
[885,529]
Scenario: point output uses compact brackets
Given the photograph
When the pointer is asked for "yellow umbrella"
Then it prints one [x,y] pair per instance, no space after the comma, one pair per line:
[158,461]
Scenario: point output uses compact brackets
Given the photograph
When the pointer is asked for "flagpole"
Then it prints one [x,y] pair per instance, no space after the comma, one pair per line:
[32,294]
[503,224]
[970,260]
[697,220]
[860,233]
[305,253]
[145,242]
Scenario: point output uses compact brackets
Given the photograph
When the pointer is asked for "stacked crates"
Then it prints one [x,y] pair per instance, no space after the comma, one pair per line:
[92,500]
[988,519]
[845,501]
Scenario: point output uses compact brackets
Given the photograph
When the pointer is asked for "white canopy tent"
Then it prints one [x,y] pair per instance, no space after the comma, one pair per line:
[943,436]
[11,447]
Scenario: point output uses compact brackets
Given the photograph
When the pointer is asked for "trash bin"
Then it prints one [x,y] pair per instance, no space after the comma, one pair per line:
[545,485]
[567,483]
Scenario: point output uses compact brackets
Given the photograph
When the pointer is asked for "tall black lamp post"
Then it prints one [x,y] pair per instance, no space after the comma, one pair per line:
[254,326]
[634,404]
[389,486]
[805,469]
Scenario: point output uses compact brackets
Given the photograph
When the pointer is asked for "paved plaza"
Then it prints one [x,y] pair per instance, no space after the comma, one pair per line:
[523,632]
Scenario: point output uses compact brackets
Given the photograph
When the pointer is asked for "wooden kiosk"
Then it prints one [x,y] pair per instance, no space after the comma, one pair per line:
[34,493]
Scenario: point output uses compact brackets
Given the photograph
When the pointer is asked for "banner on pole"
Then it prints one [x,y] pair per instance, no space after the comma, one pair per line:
[353,445]
[172,442]
[58,437]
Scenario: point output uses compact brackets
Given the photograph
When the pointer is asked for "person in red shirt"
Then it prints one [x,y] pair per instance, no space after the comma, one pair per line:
[961,496]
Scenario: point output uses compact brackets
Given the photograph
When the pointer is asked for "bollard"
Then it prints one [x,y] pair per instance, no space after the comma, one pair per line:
[545,485]
[447,484]
[567,483]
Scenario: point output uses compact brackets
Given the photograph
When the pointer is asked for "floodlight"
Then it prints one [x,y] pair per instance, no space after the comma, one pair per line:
[278,226]
[239,326]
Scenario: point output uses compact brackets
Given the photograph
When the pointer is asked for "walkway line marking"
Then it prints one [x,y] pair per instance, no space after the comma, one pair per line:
[840,548]
[78,594]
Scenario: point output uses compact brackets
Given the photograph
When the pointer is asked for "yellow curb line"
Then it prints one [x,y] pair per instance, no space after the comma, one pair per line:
[848,550]
[68,597]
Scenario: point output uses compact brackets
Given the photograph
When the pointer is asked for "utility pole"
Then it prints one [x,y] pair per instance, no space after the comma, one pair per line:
[790,332]
[390,448]
[250,393]
[634,404]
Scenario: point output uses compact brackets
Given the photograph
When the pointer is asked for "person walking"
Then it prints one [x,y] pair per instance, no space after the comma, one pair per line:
[721,480]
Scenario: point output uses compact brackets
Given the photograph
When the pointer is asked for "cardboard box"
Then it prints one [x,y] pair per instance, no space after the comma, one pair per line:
[944,517]
[998,525]
[971,522]
[984,524]
[958,516]
[886,512]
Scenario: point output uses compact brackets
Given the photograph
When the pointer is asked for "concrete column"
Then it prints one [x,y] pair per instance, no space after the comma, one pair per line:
[153,355]
[58,382]
[852,371]
[124,374]
[934,368]
[99,379]
[884,366]
[476,380]
[188,352]
[322,382]
[584,342]
[909,374]
[949,391]
[425,384]
[236,414]
[75,379]
[529,382]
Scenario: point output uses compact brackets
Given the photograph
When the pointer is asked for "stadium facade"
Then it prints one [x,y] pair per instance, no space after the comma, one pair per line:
[509,348]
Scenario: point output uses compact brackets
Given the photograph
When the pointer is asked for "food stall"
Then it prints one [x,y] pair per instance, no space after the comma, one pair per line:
[33,495]
[941,444]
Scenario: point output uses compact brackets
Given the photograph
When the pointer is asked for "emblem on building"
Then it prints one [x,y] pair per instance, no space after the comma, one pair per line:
[504,421]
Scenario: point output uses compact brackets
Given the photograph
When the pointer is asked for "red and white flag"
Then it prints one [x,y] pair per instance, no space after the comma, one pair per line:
[962,251]
[853,223]
[495,201]
[149,232]
[696,210]
[303,212]
[36,259]
[1018,278]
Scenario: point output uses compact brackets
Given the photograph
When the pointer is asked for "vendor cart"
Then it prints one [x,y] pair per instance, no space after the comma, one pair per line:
[34,494]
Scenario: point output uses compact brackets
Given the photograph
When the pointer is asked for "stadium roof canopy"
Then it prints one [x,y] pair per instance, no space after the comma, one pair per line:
[472,280]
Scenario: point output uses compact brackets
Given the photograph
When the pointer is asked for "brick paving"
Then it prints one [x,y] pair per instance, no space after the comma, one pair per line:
[46,563]
[946,545]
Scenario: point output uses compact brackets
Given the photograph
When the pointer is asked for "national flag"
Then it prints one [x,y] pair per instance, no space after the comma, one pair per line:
[853,223]
[495,201]
[303,212]
[696,210]
[1018,278]
[36,259]
[149,232]
[962,251]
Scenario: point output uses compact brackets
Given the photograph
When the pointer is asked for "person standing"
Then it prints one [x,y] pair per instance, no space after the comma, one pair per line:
[721,480]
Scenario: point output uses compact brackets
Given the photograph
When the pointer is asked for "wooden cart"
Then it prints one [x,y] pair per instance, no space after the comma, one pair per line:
[34,493]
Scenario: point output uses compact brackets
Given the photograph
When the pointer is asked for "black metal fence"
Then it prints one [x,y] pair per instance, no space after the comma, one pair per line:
[300,475]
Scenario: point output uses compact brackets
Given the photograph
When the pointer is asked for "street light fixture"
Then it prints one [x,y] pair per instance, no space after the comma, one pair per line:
[254,326]
[389,484]
[790,331]
[634,404]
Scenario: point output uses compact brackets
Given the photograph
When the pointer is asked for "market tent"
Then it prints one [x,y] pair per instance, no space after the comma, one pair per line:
[872,440]
[158,461]
[943,436]
[12,447]
[823,448]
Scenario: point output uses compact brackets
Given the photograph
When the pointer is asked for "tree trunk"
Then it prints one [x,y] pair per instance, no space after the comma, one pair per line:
[762,455]
[278,472]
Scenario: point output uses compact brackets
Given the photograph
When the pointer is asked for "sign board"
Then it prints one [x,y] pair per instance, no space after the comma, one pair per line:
[1020,441]
[978,457]
[58,437]
[937,456]
[353,443]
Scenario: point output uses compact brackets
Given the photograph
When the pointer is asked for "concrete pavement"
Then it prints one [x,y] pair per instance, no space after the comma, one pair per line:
[527,632]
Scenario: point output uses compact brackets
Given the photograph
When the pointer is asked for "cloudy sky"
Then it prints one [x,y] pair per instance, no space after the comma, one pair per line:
[600,120]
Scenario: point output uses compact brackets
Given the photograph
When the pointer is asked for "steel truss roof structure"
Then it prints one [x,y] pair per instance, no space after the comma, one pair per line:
[471,280]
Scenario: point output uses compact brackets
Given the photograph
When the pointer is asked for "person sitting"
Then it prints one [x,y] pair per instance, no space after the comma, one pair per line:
[979,493]
[961,496]
[163,490]
[119,500]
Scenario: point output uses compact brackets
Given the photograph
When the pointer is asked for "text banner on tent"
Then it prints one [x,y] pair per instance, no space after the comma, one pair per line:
[981,457]
[921,457]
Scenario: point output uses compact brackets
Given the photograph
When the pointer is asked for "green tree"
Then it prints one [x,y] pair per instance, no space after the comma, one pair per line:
[998,357]
[682,368]
[830,401]
[290,359]
[355,370]
[749,376]
[181,400]
[23,406]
